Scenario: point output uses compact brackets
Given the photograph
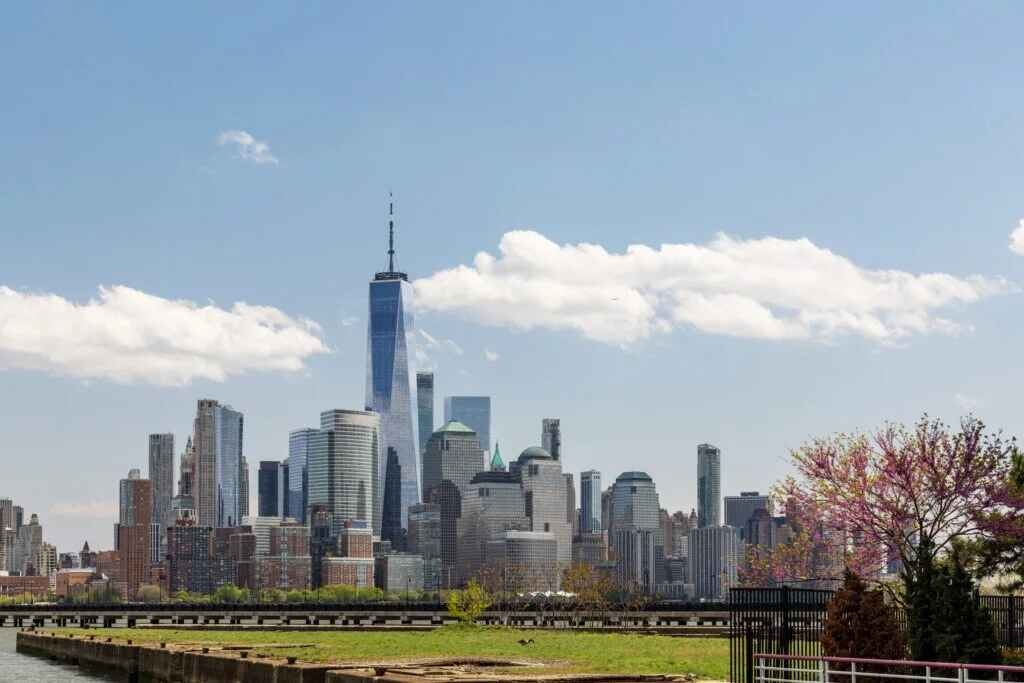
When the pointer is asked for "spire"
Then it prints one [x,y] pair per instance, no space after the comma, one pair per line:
[497,464]
[391,234]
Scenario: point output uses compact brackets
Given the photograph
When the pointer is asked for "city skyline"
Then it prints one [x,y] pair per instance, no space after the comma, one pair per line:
[770,238]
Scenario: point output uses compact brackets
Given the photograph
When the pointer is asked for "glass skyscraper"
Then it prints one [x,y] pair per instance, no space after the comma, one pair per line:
[299,443]
[161,473]
[709,485]
[425,407]
[389,377]
[590,502]
[474,412]
[343,463]
[228,467]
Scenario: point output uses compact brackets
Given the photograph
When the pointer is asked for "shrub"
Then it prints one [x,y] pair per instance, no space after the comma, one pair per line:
[468,604]
[859,623]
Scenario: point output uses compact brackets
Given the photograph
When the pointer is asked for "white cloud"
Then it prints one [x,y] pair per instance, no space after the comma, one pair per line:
[491,356]
[91,510]
[1017,238]
[249,148]
[768,288]
[428,347]
[130,336]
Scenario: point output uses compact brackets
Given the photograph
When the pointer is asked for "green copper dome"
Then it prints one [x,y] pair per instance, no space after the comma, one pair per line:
[534,452]
[453,426]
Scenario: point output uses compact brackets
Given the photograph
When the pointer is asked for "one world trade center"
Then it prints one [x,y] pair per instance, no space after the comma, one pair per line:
[390,378]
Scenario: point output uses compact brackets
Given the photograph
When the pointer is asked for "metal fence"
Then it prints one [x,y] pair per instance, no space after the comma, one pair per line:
[790,621]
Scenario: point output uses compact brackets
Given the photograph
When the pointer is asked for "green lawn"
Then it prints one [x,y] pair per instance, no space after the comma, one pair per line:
[565,651]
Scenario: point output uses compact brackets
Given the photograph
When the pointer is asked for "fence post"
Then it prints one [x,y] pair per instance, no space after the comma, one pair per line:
[784,636]
[1011,621]
[748,655]
[853,672]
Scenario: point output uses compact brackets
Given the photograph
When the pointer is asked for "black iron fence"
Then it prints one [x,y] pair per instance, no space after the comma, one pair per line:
[790,621]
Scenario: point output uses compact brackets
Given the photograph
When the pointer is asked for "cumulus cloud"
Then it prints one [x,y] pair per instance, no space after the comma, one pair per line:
[130,336]
[1017,239]
[90,510]
[768,288]
[249,148]
[491,356]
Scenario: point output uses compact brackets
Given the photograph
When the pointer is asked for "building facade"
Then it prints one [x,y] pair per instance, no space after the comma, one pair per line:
[300,443]
[475,413]
[135,531]
[343,466]
[391,516]
[270,489]
[740,509]
[590,502]
[161,473]
[551,436]
[715,554]
[424,407]
[709,485]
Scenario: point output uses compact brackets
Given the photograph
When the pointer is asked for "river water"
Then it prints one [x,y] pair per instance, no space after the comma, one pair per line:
[15,668]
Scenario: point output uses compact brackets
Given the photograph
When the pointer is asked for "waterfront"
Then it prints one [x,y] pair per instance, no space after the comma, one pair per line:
[23,668]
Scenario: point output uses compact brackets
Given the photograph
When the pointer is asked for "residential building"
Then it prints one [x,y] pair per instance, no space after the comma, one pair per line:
[190,565]
[709,485]
[161,474]
[219,466]
[475,413]
[135,531]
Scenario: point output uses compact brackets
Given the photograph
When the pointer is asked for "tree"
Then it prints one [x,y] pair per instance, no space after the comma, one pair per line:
[859,623]
[899,486]
[1001,551]
[468,604]
[149,593]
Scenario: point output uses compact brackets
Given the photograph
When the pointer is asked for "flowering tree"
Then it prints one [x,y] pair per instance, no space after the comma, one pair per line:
[858,498]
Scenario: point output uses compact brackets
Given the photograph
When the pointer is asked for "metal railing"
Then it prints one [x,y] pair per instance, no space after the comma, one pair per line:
[774,668]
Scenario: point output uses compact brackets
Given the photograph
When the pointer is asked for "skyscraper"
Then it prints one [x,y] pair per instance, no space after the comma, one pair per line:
[551,436]
[740,509]
[474,412]
[389,372]
[299,444]
[343,464]
[425,407]
[545,490]
[590,502]
[161,474]
[636,528]
[715,553]
[6,514]
[243,490]
[709,485]
[218,480]
[391,515]
[134,531]
[270,493]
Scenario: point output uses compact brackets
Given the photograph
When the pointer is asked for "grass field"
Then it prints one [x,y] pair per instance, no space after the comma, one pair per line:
[564,651]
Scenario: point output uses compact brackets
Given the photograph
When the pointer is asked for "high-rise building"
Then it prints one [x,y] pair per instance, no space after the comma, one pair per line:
[184,504]
[715,556]
[546,493]
[28,543]
[527,560]
[218,480]
[135,531]
[190,565]
[300,442]
[475,413]
[6,513]
[19,517]
[740,509]
[452,458]
[424,407]
[270,489]
[161,473]
[571,515]
[494,502]
[243,490]
[424,539]
[551,436]
[709,485]
[389,372]
[391,516]
[635,533]
[342,465]
[590,502]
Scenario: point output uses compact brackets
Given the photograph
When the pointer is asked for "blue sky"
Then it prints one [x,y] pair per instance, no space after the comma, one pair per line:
[890,136]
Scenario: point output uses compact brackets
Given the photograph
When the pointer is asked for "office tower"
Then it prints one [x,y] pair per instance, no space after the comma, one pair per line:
[571,515]
[190,565]
[494,502]
[606,509]
[636,529]
[243,490]
[19,517]
[590,502]
[161,473]
[6,513]
[270,489]
[28,542]
[342,466]
[424,407]
[526,560]
[399,573]
[715,555]
[8,544]
[184,504]
[391,516]
[545,491]
[425,539]
[135,531]
[452,458]
[760,529]
[551,436]
[300,442]
[474,412]
[709,485]
[740,509]
[389,372]
[218,464]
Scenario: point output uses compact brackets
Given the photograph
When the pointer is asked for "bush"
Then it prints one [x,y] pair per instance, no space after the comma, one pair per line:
[859,623]
[468,604]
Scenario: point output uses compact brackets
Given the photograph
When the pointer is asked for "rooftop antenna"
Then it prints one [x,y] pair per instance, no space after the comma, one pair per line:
[391,234]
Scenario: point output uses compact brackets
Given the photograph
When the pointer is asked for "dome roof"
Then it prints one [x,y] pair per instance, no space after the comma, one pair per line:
[453,426]
[534,453]
[634,476]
